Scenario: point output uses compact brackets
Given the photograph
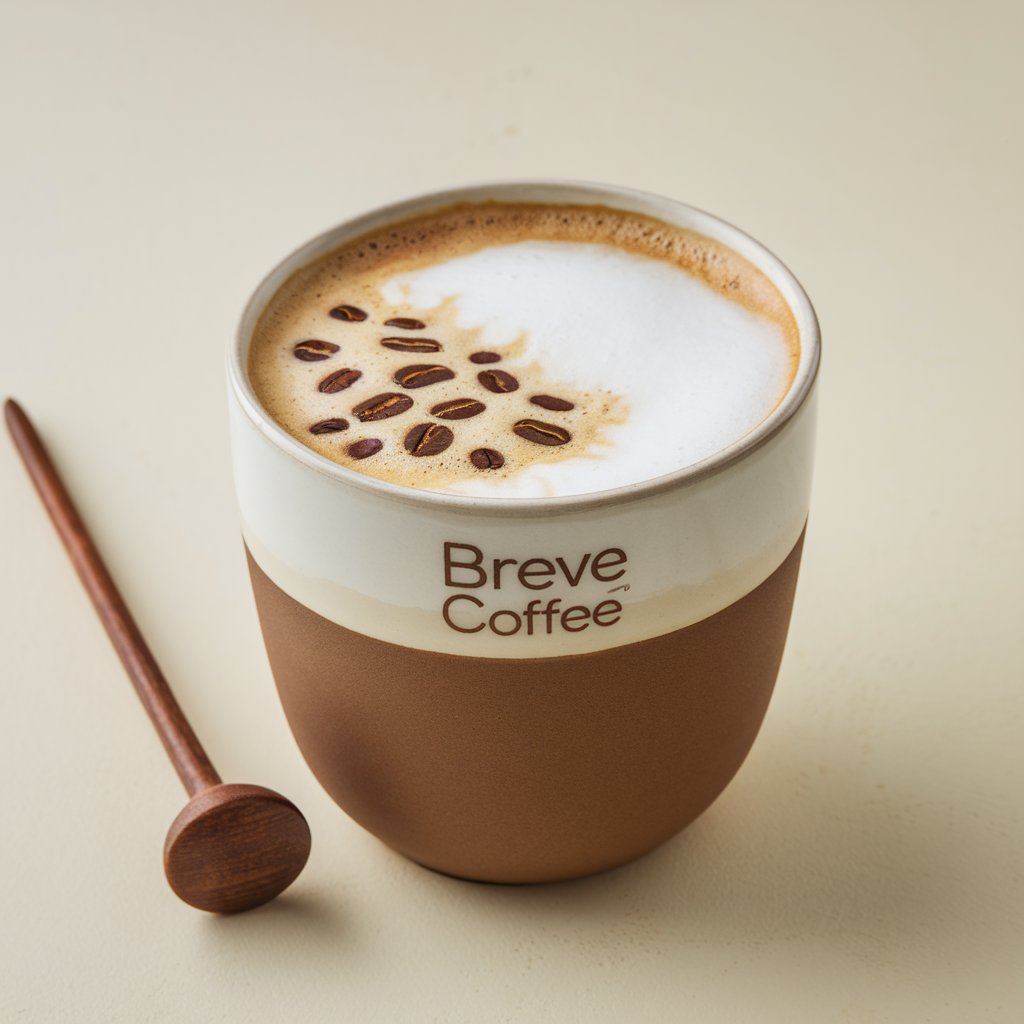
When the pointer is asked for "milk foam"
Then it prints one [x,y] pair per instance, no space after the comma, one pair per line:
[696,370]
[670,346]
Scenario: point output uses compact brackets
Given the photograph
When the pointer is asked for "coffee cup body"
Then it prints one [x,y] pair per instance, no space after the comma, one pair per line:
[526,690]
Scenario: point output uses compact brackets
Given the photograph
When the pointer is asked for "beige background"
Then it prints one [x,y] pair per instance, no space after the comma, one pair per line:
[157,159]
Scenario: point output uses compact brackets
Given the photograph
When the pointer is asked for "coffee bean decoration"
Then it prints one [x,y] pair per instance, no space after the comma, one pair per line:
[313,350]
[405,323]
[365,448]
[487,458]
[351,314]
[485,357]
[498,381]
[551,403]
[422,375]
[331,426]
[338,381]
[428,439]
[458,409]
[541,433]
[381,407]
[411,344]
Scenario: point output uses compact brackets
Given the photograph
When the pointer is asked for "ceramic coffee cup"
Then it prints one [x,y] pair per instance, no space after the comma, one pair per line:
[525,690]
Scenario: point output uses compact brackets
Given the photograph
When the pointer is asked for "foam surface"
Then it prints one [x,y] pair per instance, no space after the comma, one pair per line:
[669,346]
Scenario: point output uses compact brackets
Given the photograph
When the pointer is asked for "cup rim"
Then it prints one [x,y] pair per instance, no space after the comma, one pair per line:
[534,190]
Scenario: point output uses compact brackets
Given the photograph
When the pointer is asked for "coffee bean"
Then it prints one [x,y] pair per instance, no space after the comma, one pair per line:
[411,344]
[365,448]
[353,314]
[338,381]
[422,375]
[381,407]
[331,426]
[541,433]
[458,409]
[312,351]
[551,403]
[428,439]
[487,458]
[405,323]
[498,381]
[485,357]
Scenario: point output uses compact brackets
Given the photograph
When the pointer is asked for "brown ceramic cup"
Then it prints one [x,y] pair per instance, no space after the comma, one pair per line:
[439,697]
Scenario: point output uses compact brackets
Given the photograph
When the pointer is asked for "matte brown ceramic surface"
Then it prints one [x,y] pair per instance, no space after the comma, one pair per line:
[528,770]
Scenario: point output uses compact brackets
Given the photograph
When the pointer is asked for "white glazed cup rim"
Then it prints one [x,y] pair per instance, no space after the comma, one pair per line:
[534,190]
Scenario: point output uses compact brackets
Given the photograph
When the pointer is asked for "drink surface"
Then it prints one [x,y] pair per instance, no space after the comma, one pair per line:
[524,350]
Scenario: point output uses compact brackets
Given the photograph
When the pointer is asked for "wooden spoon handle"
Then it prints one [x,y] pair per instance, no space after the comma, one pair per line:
[186,752]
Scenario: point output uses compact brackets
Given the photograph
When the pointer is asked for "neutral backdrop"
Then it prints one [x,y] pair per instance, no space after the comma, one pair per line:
[156,159]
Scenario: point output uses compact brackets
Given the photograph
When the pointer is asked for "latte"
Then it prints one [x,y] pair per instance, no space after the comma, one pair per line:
[513,350]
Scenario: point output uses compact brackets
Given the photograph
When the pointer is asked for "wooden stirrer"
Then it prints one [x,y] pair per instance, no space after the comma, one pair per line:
[233,847]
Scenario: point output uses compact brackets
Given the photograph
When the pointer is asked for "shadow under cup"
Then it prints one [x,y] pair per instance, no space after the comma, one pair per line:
[435,691]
